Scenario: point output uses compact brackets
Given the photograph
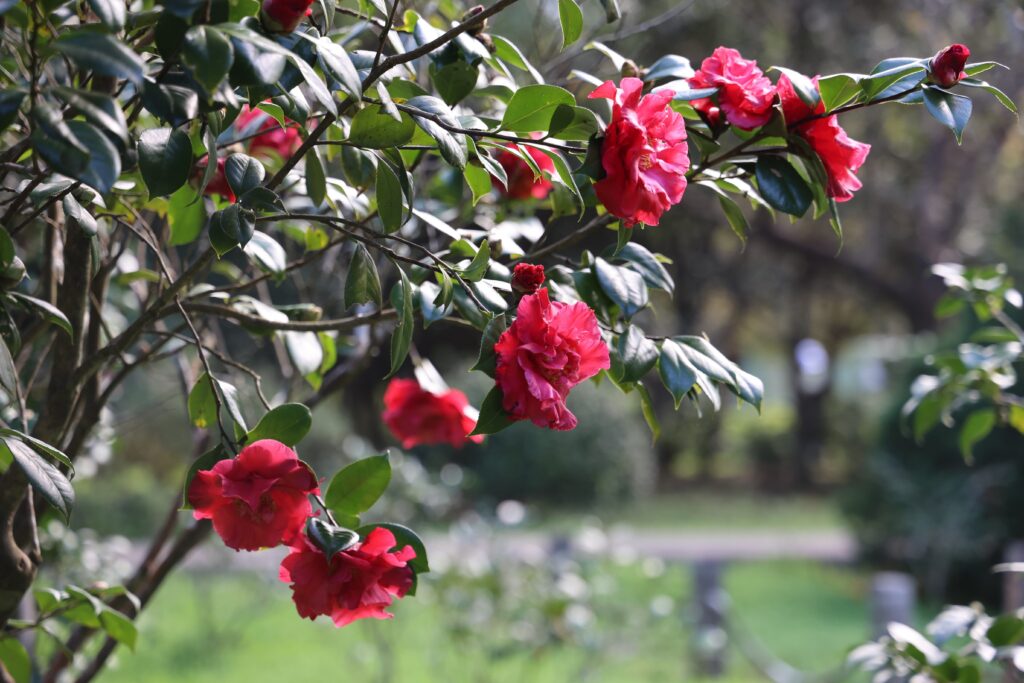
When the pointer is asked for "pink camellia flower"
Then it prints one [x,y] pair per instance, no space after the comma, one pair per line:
[527,277]
[521,183]
[416,416]
[947,66]
[744,96]
[550,348]
[840,155]
[281,141]
[258,499]
[358,583]
[283,16]
[644,154]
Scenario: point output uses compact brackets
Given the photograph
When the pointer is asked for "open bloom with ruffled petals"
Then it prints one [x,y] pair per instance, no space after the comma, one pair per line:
[643,153]
[840,155]
[358,583]
[258,499]
[521,183]
[745,95]
[550,348]
[283,141]
[416,416]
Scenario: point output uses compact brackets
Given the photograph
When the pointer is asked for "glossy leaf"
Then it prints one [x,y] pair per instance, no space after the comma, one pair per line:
[358,486]
[287,423]
[165,159]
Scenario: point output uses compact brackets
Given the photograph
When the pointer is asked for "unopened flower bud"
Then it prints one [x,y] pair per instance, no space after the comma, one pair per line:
[527,277]
[947,66]
[630,69]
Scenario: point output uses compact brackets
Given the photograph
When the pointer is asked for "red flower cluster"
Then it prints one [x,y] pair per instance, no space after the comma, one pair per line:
[840,155]
[416,416]
[745,95]
[357,583]
[283,16]
[527,277]
[521,183]
[644,154]
[947,66]
[550,348]
[258,499]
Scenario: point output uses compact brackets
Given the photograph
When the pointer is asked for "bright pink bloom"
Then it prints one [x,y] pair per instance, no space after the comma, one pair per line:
[258,499]
[947,66]
[643,154]
[840,155]
[550,348]
[357,583]
[283,16]
[521,183]
[281,141]
[744,96]
[416,416]
[527,277]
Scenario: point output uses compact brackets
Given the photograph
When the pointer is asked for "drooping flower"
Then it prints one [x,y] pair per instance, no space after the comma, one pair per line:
[643,153]
[527,277]
[417,416]
[550,348]
[521,183]
[745,95]
[947,66]
[258,499]
[283,16]
[358,583]
[840,155]
[283,141]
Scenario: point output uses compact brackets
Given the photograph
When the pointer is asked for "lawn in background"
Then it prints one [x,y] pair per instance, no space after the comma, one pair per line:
[208,628]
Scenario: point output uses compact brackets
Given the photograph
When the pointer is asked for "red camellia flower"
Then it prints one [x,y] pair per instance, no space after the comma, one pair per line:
[416,416]
[521,183]
[947,66]
[745,95]
[840,155]
[258,499]
[643,154]
[357,583]
[550,348]
[527,277]
[282,16]
[281,141]
[219,183]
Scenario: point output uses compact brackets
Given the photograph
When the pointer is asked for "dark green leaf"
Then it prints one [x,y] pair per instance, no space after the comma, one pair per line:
[637,353]
[401,338]
[243,173]
[624,286]
[802,85]
[373,128]
[389,197]
[101,53]
[336,62]
[455,81]
[640,259]
[451,145]
[477,268]
[492,418]
[976,427]
[733,214]
[287,423]
[329,538]
[485,362]
[10,103]
[781,185]
[677,373]
[208,55]
[362,283]
[357,487]
[165,159]
[1003,98]
[316,178]
[532,107]
[571,18]
[952,111]
[104,161]
[51,483]
[50,313]
[111,12]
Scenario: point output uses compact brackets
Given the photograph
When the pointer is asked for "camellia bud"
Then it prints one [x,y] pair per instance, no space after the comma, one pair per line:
[283,16]
[630,69]
[527,277]
[476,29]
[947,66]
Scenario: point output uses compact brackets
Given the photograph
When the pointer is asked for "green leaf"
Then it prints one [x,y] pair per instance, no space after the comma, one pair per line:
[624,286]
[573,123]
[287,423]
[204,462]
[802,85]
[119,627]
[478,179]
[904,70]
[373,128]
[208,55]
[492,418]
[452,148]
[532,107]
[781,185]
[487,359]
[316,178]
[401,338]
[477,268]
[77,217]
[357,487]
[638,353]
[1007,629]
[98,109]
[103,165]
[714,364]
[677,373]
[51,483]
[389,197]
[640,259]
[101,53]
[733,214]
[15,659]
[976,427]
[50,313]
[202,403]
[647,408]
[838,89]
[1003,98]
[571,17]
[8,371]
[362,283]
[10,103]
[165,159]
[329,538]
[336,62]
[455,81]
[243,173]
[952,111]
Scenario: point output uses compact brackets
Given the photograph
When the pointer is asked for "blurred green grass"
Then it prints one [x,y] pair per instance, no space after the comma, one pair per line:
[217,628]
